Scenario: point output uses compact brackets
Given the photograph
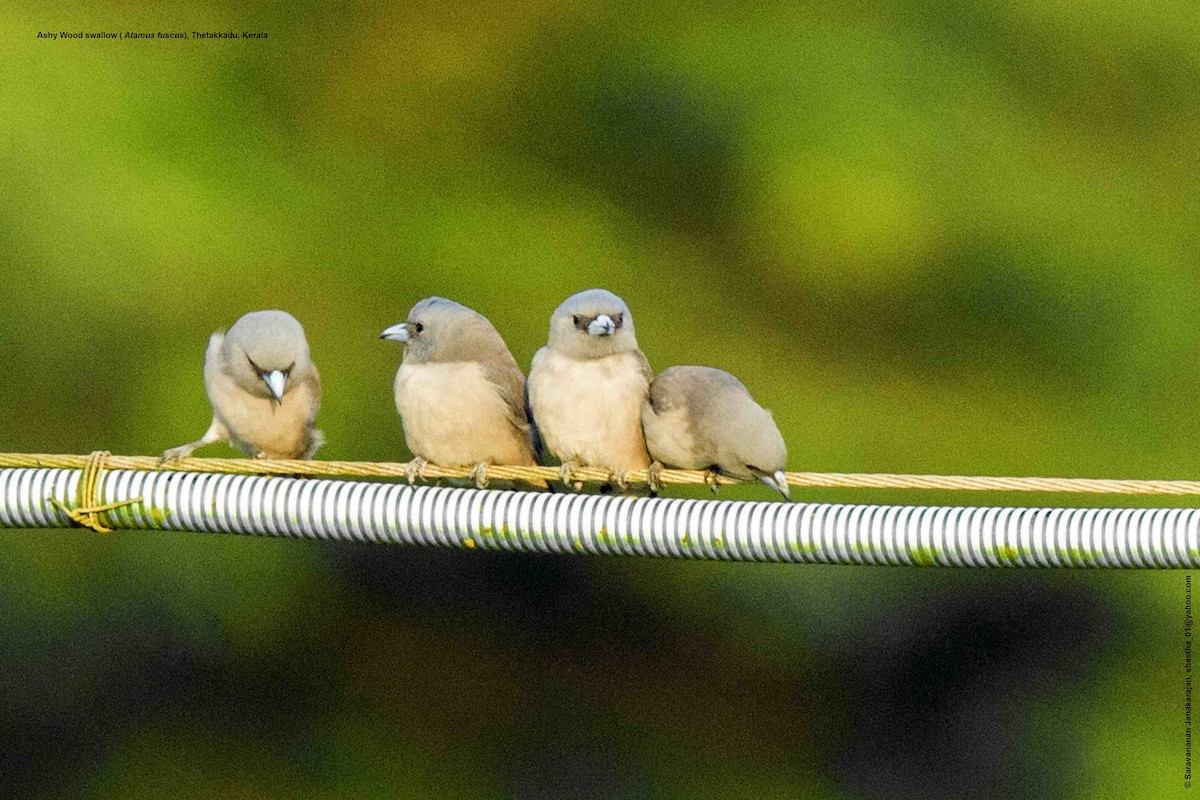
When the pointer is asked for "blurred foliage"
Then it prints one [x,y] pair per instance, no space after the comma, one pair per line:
[931,236]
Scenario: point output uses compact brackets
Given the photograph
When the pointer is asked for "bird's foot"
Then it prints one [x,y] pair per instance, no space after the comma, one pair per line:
[713,478]
[619,479]
[566,472]
[176,454]
[654,477]
[415,469]
[479,475]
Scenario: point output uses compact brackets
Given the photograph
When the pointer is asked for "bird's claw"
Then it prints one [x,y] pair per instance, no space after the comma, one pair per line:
[619,479]
[175,454]
[566,473]
[654,477]
[415,469]
[479,475]
[713,479]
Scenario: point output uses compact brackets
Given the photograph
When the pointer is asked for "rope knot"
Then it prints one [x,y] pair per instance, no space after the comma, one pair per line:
[88,511]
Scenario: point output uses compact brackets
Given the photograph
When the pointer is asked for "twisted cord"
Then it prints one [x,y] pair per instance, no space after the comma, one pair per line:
[367,469]
[88,511]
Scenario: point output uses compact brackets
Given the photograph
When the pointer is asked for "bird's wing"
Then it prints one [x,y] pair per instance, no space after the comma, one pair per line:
[505,376]
[643,365]
[313,381]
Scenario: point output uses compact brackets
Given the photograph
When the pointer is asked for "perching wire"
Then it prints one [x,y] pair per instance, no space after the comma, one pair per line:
[107,493]
[823,480]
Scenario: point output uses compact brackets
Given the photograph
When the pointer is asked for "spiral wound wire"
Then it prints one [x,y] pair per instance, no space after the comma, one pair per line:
[179,500]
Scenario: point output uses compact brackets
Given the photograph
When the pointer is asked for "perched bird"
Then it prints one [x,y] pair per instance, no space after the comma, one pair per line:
[459,391]
[263,387]
[704,418]
[587,385]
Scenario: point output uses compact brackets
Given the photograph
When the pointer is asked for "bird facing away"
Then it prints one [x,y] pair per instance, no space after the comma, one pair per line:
[459,391]
[704,418]
[263,387]
[587,385]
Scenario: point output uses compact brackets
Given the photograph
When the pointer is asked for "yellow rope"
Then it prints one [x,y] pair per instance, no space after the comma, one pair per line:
[88,511]
[367,469]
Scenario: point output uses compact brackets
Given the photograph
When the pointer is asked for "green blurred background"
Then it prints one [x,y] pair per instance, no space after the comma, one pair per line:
[931,236]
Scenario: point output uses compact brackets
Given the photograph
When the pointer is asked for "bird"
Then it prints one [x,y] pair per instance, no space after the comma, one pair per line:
[459,392]
[587,385]
[264,389]
[705,418]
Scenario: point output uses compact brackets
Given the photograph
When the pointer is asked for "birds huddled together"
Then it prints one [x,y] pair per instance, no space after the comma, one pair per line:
[591,399]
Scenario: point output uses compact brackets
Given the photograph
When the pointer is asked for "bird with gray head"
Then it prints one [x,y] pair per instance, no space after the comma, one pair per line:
[586,386]
[459,391]
[704,418]
[263,387]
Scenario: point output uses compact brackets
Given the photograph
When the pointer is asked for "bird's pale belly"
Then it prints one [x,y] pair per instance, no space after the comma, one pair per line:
[589,412]
[261,428]
[453,416]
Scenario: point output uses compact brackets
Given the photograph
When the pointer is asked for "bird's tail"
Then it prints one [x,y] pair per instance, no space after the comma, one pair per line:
[315,440]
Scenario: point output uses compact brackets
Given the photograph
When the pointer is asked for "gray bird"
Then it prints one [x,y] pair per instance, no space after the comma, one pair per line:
[263,387]
[587,385]
[704,418]
[459,391]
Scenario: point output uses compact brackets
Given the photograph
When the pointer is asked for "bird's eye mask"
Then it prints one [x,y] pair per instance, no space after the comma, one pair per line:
[601,324]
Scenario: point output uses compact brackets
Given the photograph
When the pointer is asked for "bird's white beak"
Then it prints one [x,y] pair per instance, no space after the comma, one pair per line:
[601,326]
[777,481]
[276,381]
[396,333]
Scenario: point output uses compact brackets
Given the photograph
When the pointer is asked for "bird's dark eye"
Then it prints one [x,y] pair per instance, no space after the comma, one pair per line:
[254,366]
[618,320]
[420,327]
[575,319]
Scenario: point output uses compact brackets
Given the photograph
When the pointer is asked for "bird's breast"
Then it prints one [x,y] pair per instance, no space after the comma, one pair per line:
[590,410]
[258,425]
[454,416]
